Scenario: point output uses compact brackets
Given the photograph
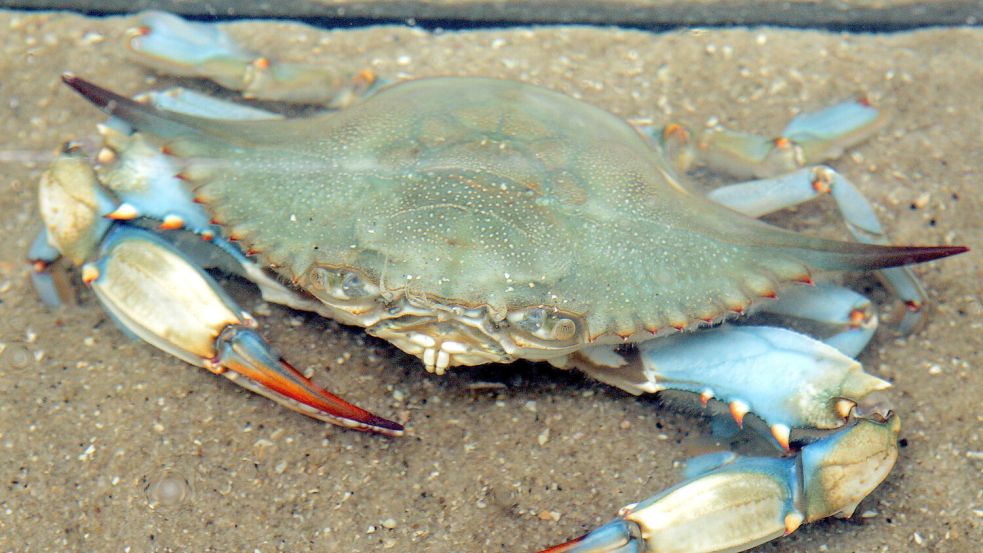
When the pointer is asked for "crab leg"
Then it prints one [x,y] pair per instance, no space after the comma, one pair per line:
[172,45]
[847,319]
[760,197]
[752,500]
[152,290]
[808,139]
[816,386]
[843,444]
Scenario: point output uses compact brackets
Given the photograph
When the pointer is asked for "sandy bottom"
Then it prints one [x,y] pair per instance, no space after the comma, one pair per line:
[502,458]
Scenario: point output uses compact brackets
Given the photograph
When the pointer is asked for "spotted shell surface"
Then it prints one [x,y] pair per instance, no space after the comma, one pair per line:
[482,192]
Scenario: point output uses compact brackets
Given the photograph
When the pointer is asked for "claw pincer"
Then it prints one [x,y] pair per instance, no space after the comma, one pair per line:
[151,288]
[751,500]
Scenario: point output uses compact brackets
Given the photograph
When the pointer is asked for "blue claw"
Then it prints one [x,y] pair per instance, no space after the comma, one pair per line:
[617,536]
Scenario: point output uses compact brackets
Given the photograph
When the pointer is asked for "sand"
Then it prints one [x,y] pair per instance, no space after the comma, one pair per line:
[501,458]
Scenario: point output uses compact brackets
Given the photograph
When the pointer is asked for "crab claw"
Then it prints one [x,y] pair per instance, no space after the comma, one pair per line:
[154,292]
[617,536]
[244,353]
[732,503]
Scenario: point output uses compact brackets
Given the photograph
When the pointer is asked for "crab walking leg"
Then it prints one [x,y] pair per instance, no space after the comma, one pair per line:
[172,45]
[152,290]
[752,500]
[760,197]
[808,139]
[788,380]
[846,319]
[50,285]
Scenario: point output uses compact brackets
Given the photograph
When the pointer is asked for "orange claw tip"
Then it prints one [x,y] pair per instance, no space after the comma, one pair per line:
[564,547]
[242,350]
[617,535]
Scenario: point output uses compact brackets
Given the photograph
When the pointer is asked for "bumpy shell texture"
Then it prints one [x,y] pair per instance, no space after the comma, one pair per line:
[481,192]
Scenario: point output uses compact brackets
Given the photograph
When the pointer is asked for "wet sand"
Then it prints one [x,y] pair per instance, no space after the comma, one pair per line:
[89,419]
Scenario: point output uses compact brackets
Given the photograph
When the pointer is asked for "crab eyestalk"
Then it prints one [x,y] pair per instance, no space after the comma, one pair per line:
[152,290]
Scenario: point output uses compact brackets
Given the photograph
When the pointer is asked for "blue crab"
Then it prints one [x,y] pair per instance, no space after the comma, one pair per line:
[472,221]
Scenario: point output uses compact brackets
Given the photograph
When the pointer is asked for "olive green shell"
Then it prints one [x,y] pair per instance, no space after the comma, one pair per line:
[487,192]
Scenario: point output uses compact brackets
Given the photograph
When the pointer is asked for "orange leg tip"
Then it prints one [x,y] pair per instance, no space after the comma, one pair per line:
[857,318]
[675,130]
[366,76]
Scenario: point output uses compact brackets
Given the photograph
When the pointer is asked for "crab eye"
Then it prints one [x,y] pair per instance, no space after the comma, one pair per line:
[353,286]
[341,285]
[545,324]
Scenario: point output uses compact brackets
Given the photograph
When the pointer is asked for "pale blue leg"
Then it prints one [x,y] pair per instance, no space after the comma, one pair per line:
[810,138]
[760,197]
[173,45]
[843,318]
